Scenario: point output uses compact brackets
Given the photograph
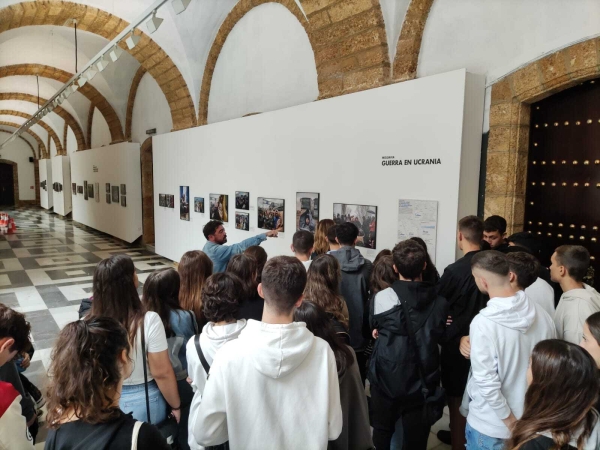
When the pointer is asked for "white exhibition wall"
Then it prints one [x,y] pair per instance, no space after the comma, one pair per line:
[335,147]
[61,173]
[115,164]
[46,197]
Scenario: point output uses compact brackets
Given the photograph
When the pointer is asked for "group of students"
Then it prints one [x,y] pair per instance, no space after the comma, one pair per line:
[275,353]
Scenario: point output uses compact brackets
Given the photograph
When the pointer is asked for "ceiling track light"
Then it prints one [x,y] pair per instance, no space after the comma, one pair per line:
[153,23]
[74,87]
[81,81]
[91,73]
[115,53]
[102,64]
[180,6]
[132,41]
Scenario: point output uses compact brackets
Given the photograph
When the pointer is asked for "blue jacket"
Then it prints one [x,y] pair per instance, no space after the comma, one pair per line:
[221,254]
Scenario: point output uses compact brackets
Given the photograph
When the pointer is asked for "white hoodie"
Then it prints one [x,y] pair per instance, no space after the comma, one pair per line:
[212,339]
[502,336]
[574,307]
[275,387]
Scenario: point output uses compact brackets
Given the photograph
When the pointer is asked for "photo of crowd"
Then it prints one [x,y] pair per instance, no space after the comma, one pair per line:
[199,204]
[363,216]
[242,200]
[162,200]
[242,221]
[270,213]
[307,211]
[184,202]
[219,207]
[171,199]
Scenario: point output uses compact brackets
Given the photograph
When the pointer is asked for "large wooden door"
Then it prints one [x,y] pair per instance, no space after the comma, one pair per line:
[562,204]
[7,189]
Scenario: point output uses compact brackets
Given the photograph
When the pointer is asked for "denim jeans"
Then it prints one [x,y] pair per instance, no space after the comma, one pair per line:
[133,400]
[478,441]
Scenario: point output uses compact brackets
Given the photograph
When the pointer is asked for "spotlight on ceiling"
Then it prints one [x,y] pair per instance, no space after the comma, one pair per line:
[180,6]
[102,64]
[153,23]
[91,73]
[115,53]
[81,81]
[74,87]
[132,41]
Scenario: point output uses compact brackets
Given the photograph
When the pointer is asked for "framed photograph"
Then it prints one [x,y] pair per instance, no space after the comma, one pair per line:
[307,211]
[97,188]
[271,212]
[115,194]
[108,188]
[242,200]
[242,221]
[199,204]
[108,199]
[85,190]
[219,207]
[74,187]
[123,200]
[80,189]
[162,201]
[60,187]
[184,202]
[171,201]
[365,219]
[90,190]
[123,190]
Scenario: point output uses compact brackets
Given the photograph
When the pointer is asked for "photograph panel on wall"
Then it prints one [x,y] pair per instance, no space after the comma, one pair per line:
[242,221]
[97,188]
[199,204]
[171,199]
[307,211]
[85,190]
[271,212]
[184,202]
[365,219]
[108,188]
[123,189]
[115,194]
[74,187]
[242,200]
[90,190]
[219,207]
[162,200]
[123,200]
[108,198]
[80,189]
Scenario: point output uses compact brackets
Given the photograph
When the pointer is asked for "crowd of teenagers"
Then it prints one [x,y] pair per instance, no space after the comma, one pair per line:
[325,349]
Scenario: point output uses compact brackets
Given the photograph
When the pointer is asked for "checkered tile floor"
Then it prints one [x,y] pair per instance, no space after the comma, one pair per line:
[46,269]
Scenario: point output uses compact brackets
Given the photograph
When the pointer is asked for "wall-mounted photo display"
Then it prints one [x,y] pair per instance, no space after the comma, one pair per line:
[307,211]
[242,221]
[171,199]
[242,200]
[60,187]
[108,198]
[365,219]
[90,190]
[115,194]
[219,207]
[271,212]
[74,187]
[85,190]
[123,200]
[199,204]
[123,189]
[80,189]
[97,188]
[162,200]
[108,188]
[184,202]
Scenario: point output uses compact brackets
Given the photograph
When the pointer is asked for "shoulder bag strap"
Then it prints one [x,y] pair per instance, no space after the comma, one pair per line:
[201,355]
[135,434]
[194,323]
[412,339]
[145,371]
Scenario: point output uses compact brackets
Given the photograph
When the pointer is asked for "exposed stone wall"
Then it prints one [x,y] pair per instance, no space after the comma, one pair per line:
[90,122]
[44,125]
[131,100]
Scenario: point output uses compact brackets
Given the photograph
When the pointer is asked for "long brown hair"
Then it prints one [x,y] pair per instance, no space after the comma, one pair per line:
[323,287]
[85,369]
[245,268]
[258,253]
[115,294]
[194,268]
[383,275]
[593,323]
[321,242]
[561,397]
[161,295]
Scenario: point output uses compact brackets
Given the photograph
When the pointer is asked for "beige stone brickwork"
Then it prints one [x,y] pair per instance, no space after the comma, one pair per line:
[131,100]
[61,112]
[15,168]
[42,147]
[89,91]
[506,173]
[90,122]
[93,20]
[65,134]
[44,125]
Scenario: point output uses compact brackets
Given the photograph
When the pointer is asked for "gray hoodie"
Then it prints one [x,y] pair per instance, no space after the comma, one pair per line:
[574,307]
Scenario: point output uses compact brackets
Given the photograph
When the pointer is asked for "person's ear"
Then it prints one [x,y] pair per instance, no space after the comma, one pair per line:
[395,270]
[7,344]
[460,236]
[338,241]
[260,290]
[310,250]
[512,277]
[292,248]
[124,357]
[299,302]
[562,270]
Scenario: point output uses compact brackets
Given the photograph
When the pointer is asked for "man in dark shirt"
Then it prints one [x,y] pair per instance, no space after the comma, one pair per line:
[465,301]
[494,233]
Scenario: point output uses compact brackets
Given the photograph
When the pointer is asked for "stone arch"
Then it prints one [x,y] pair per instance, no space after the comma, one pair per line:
[89,91]
[409,42]
[15,167]
[510,111]
[41,145]
[146,160]
[90,123]
[349,43]
[61,112]
[93,20]
[131,100]
[24,140]
[44,125]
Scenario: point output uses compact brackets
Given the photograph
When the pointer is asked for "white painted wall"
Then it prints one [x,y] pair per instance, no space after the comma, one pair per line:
[274,155]
[100,131]
[19,152]
[71,141]
[61,173]
[117,164]
[266,63]
[53,151]
[46,196]
[150,110]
